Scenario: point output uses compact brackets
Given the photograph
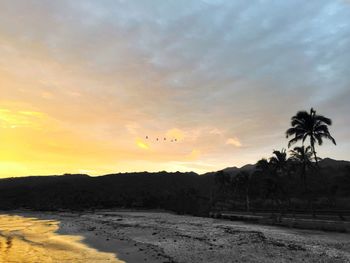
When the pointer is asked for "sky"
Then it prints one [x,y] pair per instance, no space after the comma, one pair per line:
[82,83]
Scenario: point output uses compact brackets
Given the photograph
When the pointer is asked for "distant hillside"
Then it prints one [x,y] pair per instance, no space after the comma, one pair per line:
[234,170]
[180,192]
[328,162]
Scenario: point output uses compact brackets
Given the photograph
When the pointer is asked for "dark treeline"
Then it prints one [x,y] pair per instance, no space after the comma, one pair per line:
[281,184]
[179,192]
[253,188]
[296,179]
[300,181]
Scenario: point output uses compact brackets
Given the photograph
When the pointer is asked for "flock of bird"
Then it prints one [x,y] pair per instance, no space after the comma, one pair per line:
[164,139]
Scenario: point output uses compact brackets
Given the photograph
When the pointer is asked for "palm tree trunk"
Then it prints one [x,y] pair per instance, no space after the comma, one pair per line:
[304,177]
[315,158]
[314,151]
[247,200]
[310,197]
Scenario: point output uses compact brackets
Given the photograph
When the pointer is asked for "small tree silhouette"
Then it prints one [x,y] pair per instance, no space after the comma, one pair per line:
[242,182]
[279,162]
[302,156]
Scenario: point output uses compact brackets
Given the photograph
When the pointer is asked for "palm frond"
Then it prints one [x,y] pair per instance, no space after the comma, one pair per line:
[323,119]
[318,137]
[329,137]
[294,140]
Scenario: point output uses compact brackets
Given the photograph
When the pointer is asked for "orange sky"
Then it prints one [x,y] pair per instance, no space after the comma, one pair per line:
[82,83]
[65,130]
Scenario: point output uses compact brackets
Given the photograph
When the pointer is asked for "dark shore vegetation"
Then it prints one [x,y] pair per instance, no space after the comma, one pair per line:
[294,180]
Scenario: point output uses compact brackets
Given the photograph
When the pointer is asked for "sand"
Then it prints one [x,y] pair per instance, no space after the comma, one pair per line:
[165,237]
[31,240]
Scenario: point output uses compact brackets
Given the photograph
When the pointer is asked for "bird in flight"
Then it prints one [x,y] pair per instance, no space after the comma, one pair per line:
[164,139]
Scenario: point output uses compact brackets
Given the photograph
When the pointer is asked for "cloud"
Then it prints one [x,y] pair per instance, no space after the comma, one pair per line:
[141,144]
[216,131]
[19,119]
[194,155]
[46,95]
[234,142]
[132,128]
[175,134]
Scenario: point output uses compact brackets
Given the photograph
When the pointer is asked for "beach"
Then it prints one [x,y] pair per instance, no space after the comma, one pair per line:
[165,237]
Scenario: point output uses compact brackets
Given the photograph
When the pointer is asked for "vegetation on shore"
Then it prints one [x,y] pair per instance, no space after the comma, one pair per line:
[300,181]
[295,182]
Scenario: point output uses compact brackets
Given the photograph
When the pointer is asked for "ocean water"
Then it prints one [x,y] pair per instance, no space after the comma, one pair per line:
[30,240]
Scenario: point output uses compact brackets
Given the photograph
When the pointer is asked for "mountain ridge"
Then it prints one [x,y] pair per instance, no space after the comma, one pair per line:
[323,163]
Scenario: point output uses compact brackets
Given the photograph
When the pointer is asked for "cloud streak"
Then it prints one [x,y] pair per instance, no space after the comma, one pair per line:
[234,142]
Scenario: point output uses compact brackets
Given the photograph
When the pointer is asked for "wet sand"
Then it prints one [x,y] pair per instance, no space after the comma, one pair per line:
[29,240]
[164,237]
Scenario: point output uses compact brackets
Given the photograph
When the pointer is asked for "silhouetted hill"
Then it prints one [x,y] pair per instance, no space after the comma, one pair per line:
[234,170]
[231,170]
[328,162]
[248,167]
[180,192]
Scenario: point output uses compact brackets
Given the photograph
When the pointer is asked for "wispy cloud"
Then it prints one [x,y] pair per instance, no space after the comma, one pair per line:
[234,142]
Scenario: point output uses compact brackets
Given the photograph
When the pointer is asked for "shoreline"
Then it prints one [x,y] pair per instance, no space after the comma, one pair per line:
[124,249]
[96,237]
[340,226]
[164,237]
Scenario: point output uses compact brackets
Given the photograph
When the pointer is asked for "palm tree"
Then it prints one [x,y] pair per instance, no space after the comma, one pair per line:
[242,182]
[262,166]
[279,161]
[309,125]
[271,170]
[302,155]
[222,179]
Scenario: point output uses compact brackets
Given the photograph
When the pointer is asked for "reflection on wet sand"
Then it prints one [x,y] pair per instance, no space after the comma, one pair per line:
[31,240]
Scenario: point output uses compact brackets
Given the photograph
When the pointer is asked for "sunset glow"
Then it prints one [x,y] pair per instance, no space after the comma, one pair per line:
[89,86]
[142,145]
